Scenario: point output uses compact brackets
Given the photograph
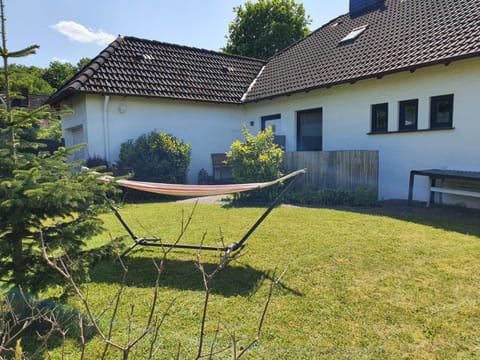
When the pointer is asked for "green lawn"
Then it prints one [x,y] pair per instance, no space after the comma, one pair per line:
[360,283]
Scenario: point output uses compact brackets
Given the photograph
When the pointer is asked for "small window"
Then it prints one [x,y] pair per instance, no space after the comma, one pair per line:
[380,117]
[408,115]
[274,121]
[352,35]
[441,111]
[270,120]
[309,130]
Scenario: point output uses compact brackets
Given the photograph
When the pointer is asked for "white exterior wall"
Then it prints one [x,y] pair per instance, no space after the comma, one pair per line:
[347,122]
[75,119]
[209,128]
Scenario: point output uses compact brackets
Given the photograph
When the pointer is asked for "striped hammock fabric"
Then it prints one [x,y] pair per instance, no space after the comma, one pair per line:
[196,190]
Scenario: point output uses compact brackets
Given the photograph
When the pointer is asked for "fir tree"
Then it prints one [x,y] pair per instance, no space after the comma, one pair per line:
[41,194]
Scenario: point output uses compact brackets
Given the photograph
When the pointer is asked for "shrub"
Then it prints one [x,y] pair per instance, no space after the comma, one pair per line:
[23,310]
[97,163]
[360,196]
[256,159]
[365,195]
[157,157]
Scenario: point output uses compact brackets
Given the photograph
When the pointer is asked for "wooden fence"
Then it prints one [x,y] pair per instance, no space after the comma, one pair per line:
[334,169]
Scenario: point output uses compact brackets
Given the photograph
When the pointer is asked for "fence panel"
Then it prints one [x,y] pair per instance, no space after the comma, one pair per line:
[346,169]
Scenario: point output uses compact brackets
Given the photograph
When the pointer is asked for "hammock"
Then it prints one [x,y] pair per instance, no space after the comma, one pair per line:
[199,191]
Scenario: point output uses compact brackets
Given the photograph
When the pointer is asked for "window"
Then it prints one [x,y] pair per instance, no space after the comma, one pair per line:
[271,120]
[441,111]
[408,115]
[380,117]
[275,122]
[352,35]
[309,130]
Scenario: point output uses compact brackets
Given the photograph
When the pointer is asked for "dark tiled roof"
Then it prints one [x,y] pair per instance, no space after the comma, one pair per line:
[36,100]
[29,101]
[401,35]
[136,67]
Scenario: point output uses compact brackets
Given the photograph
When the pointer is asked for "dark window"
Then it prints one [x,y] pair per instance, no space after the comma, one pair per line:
[269,120]
[408,115]
[441,111]
[309,130]
[274,122]
[380,117]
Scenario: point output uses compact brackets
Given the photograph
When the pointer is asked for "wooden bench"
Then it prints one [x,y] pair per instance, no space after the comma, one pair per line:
[221,172]
[452,191]
[441,175]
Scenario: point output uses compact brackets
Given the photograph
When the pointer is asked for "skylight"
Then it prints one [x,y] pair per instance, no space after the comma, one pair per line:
[352,35]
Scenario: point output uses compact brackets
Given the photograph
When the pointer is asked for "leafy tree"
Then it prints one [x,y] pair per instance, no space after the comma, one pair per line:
[156,156]
[28,77]
[82,62]
[39,80]
[262,28]
[58,73]
[256,159]
[40,194]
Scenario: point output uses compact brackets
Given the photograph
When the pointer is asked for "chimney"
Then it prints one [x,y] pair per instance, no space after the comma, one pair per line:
[358,7]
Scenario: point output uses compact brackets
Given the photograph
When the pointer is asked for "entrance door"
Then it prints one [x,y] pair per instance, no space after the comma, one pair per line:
[309,130]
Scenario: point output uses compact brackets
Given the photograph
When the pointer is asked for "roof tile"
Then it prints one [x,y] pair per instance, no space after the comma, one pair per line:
[402,35]
[137,67]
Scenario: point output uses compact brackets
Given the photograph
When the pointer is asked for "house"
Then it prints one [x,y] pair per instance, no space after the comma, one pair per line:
[29,101]
[398,76]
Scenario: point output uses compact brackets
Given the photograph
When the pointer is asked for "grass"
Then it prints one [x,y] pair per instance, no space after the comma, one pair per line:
[360,283]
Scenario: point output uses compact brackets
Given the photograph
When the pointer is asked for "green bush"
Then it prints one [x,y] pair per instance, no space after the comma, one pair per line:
[360,196]
[257,159]
[97,163]
[156,157]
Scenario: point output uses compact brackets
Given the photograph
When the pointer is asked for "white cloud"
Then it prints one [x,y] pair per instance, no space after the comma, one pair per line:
[63,61]
[78,32]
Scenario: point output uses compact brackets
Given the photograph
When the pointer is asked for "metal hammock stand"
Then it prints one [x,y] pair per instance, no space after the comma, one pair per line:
[198,191]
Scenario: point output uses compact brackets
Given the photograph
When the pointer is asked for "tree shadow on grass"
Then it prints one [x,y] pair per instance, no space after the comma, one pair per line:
[235,280]
[452,218]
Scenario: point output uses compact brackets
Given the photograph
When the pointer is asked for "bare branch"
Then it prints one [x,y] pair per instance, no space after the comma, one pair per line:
[214,341]
[82,337]
[275,281]
[62,269]
[152,325]
[12,326]
[117,299]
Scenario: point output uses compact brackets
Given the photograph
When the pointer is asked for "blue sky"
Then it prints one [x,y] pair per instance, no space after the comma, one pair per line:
[68,30]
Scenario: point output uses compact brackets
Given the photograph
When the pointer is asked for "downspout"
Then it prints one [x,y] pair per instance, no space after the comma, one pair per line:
[106,129]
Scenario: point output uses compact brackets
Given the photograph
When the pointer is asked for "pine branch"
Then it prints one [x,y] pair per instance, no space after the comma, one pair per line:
[21,53]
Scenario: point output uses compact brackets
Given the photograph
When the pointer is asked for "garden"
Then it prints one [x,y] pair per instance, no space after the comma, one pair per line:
[385,282]
[330,275]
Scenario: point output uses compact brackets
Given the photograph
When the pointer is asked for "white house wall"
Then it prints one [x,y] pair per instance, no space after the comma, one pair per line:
[74,125]
[112,120]
[347,122]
